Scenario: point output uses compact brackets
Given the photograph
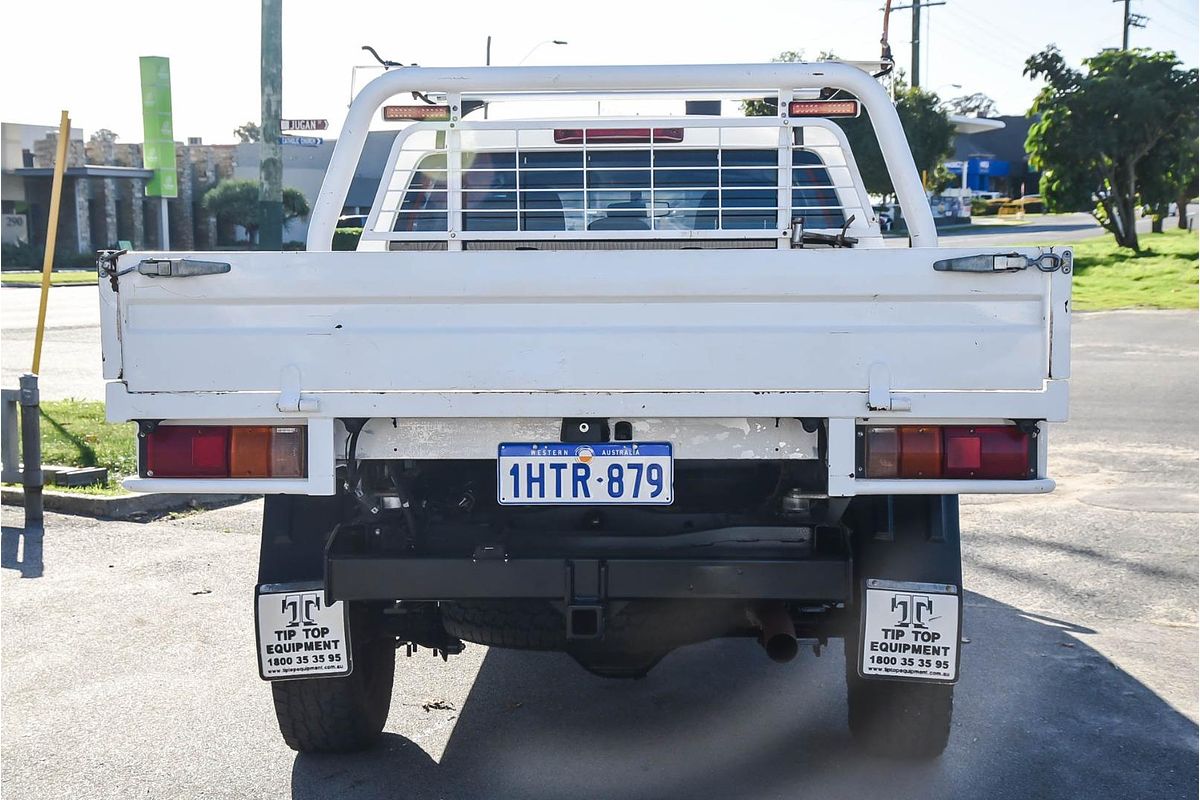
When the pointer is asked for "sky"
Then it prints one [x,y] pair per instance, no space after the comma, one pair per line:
[88,64]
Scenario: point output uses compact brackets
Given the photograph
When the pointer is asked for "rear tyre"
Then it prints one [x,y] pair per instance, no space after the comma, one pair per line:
[519,624]
[896,719]
[339,715]
[913,538]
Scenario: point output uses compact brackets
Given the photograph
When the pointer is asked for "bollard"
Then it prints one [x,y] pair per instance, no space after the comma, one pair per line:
[10,451]
[31,450]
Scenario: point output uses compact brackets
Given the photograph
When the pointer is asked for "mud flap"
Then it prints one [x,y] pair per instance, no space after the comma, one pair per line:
[300,635]
[908,581]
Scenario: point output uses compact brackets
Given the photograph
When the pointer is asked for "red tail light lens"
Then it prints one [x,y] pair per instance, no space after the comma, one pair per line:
[222,451]
[986,451]
[616,135]
[980,452]
[186,451]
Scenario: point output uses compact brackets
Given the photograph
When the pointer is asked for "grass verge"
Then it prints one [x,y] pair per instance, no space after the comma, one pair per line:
[58,278]
[1162,275]
[75,434]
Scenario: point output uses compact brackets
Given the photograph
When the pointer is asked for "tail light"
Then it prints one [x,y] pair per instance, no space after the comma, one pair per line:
[224,451]
[823,108]
[617,135]
[979,452]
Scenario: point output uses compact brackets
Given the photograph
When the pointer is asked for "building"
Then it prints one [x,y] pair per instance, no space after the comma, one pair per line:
[104,185]
[304,169]
[995,157]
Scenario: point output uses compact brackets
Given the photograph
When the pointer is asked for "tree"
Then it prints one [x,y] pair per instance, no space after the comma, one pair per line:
[236,202]
[972,105]
[930,133]
[104,136]
[249,132]
[1170,173]
[1099,129]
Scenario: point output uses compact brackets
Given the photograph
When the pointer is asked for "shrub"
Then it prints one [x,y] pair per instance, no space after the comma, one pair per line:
[346,238]
[26,256]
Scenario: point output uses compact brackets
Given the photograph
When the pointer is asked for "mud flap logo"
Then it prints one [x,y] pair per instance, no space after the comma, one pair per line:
[909,631]
[300,608]
[914,610]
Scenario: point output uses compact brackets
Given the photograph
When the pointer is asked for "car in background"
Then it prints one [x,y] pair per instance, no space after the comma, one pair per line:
[352,221]
[1027,204]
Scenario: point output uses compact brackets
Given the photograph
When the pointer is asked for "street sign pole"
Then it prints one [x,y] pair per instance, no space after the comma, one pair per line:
[163,223]
[60,166]
[270,163]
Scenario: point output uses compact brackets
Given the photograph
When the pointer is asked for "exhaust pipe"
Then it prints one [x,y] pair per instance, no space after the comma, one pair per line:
[777,633]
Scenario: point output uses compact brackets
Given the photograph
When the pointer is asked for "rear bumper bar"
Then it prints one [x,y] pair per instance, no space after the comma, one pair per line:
[584,579]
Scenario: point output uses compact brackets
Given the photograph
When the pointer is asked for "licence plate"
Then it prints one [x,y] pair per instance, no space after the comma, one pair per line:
[611,473]
[299,635]
[910,631]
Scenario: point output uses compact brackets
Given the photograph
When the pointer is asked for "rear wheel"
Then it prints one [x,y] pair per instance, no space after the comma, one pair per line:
[338,715]
[910,539]
[898,719]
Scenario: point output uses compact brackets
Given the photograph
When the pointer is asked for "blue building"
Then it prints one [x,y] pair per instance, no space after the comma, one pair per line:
[995,159]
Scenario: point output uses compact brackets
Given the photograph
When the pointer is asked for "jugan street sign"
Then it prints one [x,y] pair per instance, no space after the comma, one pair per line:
[303,124]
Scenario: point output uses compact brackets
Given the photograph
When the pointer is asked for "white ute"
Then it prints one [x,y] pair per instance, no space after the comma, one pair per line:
[604,385]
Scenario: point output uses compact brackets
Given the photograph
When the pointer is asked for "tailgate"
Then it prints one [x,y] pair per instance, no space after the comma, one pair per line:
[633,321]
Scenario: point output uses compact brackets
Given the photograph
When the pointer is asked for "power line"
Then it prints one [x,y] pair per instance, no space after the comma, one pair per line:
[1186,13]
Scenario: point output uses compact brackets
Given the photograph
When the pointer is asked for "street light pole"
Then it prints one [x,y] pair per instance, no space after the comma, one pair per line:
[487,62]
[536,46]
[487,59]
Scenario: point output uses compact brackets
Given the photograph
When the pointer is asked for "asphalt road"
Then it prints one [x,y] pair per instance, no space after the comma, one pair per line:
[70,347]
[129,667]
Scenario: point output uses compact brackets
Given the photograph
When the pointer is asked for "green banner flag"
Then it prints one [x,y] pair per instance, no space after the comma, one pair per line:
[158,147]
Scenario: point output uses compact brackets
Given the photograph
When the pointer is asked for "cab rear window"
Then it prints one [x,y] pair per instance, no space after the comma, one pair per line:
[620,189]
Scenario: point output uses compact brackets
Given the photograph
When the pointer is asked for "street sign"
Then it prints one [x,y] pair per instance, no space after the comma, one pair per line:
[303,124]
[158,147]
[303,141]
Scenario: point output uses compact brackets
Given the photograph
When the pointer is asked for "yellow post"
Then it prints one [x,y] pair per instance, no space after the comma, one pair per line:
[60,165]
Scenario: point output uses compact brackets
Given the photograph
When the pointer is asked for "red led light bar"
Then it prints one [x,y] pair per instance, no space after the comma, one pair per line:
[823,108]
[616,135]
[428,113]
